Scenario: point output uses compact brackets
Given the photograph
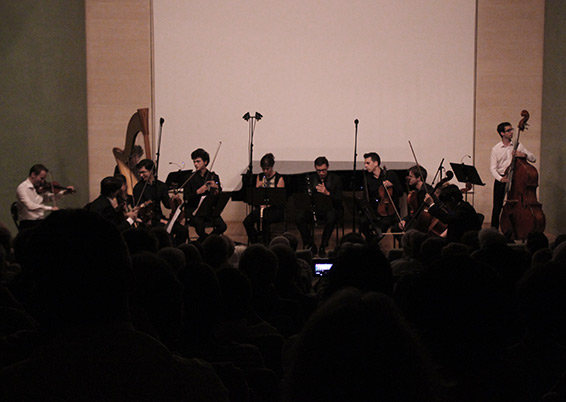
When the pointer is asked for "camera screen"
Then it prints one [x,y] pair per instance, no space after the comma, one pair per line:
[321,268]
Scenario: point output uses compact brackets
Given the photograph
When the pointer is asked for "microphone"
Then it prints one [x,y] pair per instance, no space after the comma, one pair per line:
[356,122]
[176,164]
[464,157]
[161,121]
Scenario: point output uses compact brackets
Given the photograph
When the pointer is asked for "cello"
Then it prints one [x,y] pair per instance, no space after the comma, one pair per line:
[522,213]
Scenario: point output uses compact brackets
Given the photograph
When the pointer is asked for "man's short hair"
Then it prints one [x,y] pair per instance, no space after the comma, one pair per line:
[37,169]
[146,163]
[451,193]
[501,127]
[200,153]
[137,150]
[267,161]
[109,185]
[416,170]
[321,160]
[374,157]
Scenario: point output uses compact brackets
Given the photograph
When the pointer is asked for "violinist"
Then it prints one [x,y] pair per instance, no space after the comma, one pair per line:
[202,185]
[107,204]
[416,180]
[381,188]
[125,200]
[501,157]
[459,215]
[152,193]
[33,194]
[265,214]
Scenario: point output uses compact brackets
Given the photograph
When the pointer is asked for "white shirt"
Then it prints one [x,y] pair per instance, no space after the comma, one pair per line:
[501,157]
[31,205]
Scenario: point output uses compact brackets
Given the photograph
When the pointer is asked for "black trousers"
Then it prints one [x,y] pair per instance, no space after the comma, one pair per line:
[305,219]
[498,198]
[201,222]
[252,223]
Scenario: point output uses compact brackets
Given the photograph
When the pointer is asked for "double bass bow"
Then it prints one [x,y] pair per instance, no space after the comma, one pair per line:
[522,213]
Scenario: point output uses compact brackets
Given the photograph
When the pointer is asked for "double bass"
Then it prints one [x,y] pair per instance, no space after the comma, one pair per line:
[522,213]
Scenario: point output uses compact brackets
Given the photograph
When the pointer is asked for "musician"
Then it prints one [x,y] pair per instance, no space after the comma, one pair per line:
[107,204]
[501,157]
[375,179]
[133,160]
[457,214]
[124,199]
[326,185]
[265,213]
[416,180]
[154,193]
[33,193]
[204,184]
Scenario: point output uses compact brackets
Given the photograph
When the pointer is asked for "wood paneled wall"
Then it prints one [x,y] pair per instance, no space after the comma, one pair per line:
[509,77]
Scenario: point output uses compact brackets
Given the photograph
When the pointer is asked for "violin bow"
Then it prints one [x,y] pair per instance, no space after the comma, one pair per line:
[53,191]
[418,211]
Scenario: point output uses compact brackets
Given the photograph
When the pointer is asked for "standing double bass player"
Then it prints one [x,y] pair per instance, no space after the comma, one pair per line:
[501,158]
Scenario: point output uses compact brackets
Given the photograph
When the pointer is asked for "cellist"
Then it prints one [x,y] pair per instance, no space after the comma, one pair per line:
[418,188]
[501,157]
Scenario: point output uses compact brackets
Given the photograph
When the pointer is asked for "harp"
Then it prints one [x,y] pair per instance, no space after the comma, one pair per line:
[125,157]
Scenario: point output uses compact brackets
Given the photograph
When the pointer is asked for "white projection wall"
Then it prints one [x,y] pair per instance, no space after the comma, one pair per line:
[404,68]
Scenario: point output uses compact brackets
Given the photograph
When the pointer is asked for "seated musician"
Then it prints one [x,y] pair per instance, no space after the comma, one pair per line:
[108,206]
[381,188]
[152,193]
[418,188]
[125,200]
[321,184]
[202,185]
[133,160]
[459,215]
[265,214]
[32,195]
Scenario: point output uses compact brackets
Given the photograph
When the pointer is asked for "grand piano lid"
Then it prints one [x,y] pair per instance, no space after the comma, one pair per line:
[298,167]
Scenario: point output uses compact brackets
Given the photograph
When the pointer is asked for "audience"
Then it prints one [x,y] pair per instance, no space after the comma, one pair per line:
[89,350]
[89,313]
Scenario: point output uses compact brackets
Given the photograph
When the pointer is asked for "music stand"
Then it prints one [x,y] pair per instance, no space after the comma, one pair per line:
[213,205]
[466,173]
[272,196]
[175,179]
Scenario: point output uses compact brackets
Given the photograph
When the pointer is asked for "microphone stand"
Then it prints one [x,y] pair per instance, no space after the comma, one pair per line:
[161,121]
[251,122]
[353,181]
[438,172]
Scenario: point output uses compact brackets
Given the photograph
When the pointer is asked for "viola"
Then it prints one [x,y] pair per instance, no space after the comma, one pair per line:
[385,205]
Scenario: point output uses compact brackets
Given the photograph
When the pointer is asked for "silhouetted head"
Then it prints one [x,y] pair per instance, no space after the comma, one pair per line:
[81,268]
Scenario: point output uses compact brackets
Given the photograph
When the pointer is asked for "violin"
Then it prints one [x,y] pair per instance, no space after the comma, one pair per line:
[54,187]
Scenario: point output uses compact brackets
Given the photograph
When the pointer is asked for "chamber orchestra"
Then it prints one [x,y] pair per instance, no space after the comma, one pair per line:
[384,201]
